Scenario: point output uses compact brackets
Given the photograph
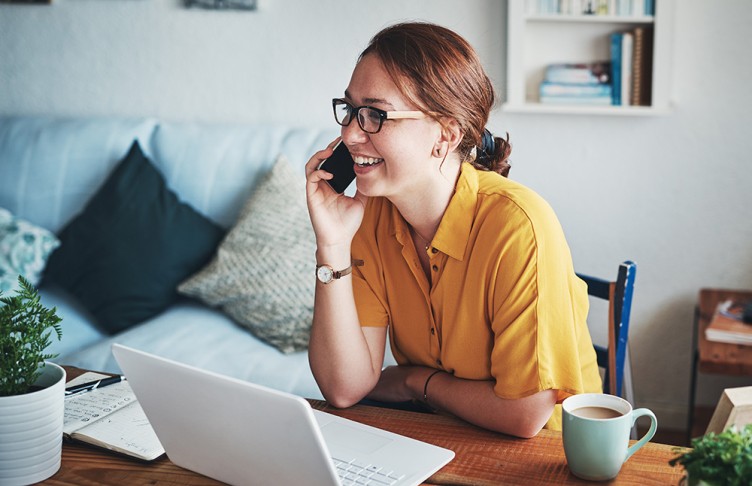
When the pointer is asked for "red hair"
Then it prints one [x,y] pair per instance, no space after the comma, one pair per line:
[438,71]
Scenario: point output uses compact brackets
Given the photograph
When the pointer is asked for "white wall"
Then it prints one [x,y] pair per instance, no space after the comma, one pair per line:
[672,193]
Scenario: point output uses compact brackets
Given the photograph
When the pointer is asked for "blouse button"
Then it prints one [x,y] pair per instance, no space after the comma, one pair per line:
[438,362]
[434,250]
[435,268]
[433,331]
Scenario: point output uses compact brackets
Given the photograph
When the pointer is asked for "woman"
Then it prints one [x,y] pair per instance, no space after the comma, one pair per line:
[468,271]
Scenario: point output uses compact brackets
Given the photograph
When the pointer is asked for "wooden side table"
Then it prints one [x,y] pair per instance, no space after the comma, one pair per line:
[713,357]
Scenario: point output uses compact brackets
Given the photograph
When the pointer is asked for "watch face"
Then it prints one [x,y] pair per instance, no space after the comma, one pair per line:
[325,273]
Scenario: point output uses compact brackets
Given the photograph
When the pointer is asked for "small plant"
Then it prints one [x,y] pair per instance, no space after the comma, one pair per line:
[720,459]
[25,330]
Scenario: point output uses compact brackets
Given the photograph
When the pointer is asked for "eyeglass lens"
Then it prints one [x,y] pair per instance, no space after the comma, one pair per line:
[369,119]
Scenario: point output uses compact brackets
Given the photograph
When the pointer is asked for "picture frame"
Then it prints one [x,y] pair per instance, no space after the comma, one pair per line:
[223,4]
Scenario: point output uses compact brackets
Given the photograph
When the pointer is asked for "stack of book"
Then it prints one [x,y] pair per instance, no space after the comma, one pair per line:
[631,61]
[728,325]
[626,8]
[583,84]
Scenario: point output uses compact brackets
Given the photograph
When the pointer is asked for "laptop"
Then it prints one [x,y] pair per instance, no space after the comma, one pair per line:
[242,433]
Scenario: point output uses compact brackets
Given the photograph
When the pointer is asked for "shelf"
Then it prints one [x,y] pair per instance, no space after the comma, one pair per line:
[537,40]
[534,108]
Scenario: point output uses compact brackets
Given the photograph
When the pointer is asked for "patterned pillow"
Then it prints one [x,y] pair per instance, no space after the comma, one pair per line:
[24,249]
[263,272]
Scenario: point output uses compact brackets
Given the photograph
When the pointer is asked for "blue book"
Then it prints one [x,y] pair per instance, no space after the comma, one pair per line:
[576,100]
[616,38]
[570,89]
[649,7]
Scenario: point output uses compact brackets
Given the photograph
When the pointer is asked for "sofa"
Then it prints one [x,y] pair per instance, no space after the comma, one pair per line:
[54,170]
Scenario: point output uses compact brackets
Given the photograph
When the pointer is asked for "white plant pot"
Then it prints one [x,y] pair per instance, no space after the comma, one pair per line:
[31,430]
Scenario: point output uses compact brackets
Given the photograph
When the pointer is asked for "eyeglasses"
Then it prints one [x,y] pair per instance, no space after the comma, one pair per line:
[369,118]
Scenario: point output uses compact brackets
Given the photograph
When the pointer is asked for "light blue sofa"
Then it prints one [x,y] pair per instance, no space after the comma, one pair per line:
[50,167]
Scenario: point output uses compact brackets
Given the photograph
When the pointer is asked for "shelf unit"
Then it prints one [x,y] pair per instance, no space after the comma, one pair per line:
[534,41]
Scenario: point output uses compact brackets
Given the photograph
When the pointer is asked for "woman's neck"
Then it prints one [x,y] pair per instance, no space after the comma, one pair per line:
[424,209]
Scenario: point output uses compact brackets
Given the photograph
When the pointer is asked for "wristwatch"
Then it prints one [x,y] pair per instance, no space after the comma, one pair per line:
[325,273]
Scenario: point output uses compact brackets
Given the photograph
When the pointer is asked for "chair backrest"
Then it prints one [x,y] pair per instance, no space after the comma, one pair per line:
[618,293]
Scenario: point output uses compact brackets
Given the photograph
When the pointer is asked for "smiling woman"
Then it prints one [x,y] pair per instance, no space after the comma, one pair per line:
[466,272]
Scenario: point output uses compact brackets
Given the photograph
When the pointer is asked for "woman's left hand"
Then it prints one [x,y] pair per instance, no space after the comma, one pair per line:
[401,383]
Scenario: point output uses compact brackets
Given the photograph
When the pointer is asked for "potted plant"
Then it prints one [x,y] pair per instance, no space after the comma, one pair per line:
[723,459]
[32,390]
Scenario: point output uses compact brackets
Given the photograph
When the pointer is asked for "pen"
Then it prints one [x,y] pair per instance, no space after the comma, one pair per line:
[92,385]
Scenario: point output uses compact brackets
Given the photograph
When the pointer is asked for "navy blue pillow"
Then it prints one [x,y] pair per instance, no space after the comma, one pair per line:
[124,255]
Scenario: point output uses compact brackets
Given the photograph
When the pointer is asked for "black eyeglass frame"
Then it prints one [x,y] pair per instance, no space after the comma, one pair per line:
[383,115]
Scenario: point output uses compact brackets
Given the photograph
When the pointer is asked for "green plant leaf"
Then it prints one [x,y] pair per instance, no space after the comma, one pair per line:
[722,459]
[25,332]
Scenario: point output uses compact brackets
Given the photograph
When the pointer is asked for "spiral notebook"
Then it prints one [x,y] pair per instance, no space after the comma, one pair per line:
[242,433]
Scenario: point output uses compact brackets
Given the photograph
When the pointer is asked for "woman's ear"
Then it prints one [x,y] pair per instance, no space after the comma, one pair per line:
[449,138]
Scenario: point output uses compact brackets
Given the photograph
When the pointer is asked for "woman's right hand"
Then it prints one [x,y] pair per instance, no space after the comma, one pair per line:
[335,217]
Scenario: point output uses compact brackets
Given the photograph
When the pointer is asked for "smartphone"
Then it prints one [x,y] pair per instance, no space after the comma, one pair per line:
[341,165]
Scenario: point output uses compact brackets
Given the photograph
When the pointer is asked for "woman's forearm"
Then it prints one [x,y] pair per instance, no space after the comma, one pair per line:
[476,402]
[345,364]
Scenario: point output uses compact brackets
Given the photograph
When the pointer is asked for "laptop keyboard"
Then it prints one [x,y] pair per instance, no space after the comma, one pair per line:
[354,473]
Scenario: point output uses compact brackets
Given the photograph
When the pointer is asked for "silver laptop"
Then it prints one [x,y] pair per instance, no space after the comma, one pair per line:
[241,433]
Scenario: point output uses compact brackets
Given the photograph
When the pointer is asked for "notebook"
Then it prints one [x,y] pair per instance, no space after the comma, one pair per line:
[242,433]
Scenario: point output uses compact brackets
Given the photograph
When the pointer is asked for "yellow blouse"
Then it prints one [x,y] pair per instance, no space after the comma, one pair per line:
[504,303]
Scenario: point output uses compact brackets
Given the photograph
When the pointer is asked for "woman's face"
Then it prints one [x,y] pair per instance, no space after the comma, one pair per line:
[396,160]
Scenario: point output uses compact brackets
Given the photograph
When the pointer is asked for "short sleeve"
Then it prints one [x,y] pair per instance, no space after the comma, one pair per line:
[540,308]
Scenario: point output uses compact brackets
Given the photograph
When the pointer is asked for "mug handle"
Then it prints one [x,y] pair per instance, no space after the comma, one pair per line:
[648,435]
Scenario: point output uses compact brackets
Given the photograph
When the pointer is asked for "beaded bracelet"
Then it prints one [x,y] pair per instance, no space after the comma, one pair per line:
[425,387]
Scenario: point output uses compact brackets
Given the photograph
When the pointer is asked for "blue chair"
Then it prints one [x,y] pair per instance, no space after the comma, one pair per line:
[614,358]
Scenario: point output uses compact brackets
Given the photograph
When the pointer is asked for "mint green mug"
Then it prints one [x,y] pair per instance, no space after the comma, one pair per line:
[595,431]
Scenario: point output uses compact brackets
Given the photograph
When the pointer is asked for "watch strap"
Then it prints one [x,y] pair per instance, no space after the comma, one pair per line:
[337,274]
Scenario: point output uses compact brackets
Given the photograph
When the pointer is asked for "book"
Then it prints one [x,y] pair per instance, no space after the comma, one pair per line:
[577,100]
[616,63]
[637,65]
[734,408]
[578,73]
[567,89]
[627,48]
[111,418]
[725,327]
[649,7]
[642,60]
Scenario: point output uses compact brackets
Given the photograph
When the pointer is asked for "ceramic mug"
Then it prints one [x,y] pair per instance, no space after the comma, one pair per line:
[596,429]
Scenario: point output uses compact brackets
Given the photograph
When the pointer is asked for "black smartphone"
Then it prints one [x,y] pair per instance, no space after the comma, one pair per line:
[341,165]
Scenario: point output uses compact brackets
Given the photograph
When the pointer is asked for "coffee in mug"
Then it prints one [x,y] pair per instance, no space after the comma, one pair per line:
[595,431]
[596,412]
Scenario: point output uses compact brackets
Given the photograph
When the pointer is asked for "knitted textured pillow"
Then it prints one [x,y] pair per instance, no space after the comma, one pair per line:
[263,272]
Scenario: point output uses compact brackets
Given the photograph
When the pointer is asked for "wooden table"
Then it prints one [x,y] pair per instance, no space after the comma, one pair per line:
[482,457]
[714,357]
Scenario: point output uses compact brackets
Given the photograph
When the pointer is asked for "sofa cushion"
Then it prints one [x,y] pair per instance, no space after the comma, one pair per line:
[50,167]
[216,167]
[192,333]
[125,254]
[24,249]
[263,272]
[78,324]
